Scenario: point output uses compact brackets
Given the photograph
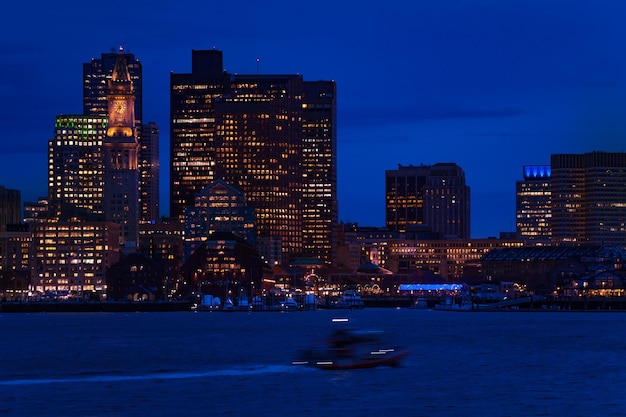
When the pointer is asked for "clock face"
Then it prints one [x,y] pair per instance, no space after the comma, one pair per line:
[119,107]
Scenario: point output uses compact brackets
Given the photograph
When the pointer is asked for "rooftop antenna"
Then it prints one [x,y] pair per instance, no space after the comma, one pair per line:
[258,61]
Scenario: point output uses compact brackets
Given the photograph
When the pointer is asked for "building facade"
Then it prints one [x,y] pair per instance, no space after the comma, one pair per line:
[121,157]
[319,166]
[432,195]
[533,203]
[75,167]
[588,199]
[219,207]
[149,173]
[10,207]
[257,133]
[73,256]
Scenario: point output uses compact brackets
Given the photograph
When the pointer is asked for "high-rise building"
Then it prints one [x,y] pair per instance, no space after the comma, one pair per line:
[248,131]
[121,157]
[319,171]
[149,167]
[96,75]
[10,207]
[219,207]
[192,127]
[588,198]
[534,205]
[75,167]
[431,195]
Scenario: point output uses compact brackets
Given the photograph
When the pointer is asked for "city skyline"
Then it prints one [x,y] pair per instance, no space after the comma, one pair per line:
[489,86]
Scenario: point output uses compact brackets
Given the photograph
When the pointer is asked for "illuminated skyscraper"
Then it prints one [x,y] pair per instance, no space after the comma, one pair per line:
[534,205]
[435,196]
[149,167]
[75,168]
[121,157]
[248,131]
[588,198]
[319,170]
[96,75]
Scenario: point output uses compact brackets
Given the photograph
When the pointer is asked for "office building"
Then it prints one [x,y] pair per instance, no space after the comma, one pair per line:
[75,167]
[73,257]
[248,131]
[319,166]
[219,207]
[588,199]
[10,207]
[149,168]
[533,204]
[435,196]
[121,157]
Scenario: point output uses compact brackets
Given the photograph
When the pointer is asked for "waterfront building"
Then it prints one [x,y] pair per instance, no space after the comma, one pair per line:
[15,254]
[257,133]
[75,167]
[546,269]
[533,204]
[163,242]
[10,207]
[73,256]
[219,207]
[136,277]
[588,199]
[121,156]
[431,195]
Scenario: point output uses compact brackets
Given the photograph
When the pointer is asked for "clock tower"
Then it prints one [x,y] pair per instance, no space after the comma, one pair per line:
[121,155]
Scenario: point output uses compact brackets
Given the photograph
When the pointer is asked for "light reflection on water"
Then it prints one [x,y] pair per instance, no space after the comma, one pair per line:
[165,364]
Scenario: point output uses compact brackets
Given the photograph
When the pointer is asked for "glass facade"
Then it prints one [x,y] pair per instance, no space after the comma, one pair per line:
[534,205]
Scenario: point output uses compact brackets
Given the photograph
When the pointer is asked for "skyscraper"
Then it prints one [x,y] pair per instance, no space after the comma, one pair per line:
[435,196]
[149,168]
[248,131]
[319,170]
[588,198]
[75,167]
[96,75]
[534,205]
[121,156]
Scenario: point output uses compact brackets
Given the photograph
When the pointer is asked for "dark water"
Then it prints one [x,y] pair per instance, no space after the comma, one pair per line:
[199,364]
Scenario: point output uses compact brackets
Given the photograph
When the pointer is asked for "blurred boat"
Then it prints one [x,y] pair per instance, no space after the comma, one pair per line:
[350,348]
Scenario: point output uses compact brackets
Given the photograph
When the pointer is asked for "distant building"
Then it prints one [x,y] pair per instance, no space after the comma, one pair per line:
[37,212]
[75,167]
[218,207]
[533,202]
[121,157]
[136,277]
[225,265]
[15,249]
[271,136]
[162,241]
[10,207]
[588,198]
[73,256]
[149,172]
[96,75]
[435,196]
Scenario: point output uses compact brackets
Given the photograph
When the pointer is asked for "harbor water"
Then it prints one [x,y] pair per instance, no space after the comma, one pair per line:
[201,364]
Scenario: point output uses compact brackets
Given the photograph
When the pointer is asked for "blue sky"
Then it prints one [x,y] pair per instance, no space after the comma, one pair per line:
[490,85]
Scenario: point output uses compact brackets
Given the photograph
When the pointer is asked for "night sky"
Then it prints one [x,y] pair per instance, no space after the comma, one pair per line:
[490,85]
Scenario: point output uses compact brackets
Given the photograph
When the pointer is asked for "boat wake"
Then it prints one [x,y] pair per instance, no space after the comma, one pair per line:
[161,375]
